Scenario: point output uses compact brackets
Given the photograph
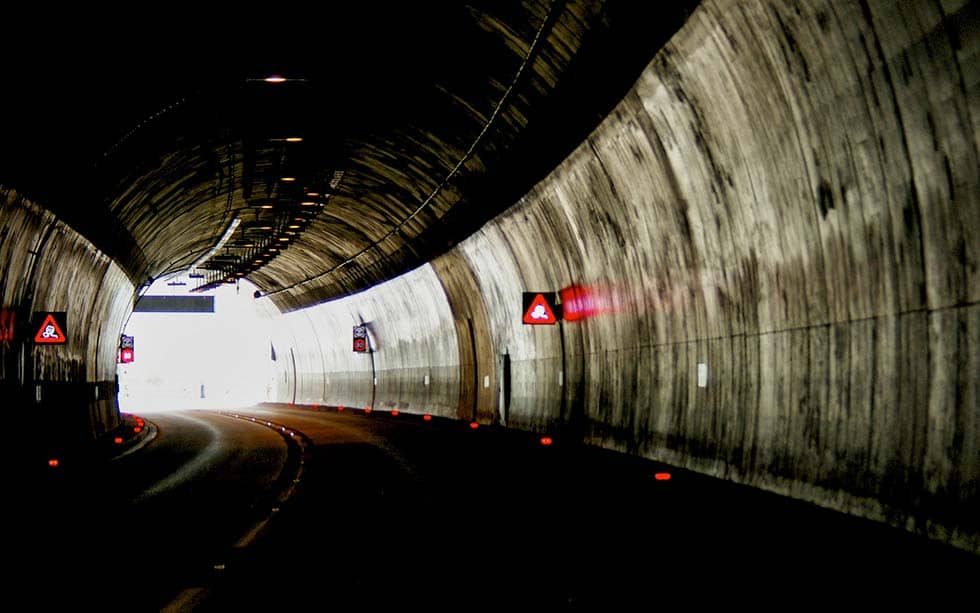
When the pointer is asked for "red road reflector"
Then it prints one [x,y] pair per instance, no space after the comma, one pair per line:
[340,408]
[137,429]
[316,406]
[367,409]
[394,412]
[427,417]
[53,462]
[117,440]
[474,425]
[662,476]
[546,440]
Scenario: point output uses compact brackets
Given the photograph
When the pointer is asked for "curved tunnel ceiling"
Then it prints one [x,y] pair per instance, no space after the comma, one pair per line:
[417,125]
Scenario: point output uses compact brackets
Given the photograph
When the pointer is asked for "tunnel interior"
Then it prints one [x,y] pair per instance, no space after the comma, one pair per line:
[758,220]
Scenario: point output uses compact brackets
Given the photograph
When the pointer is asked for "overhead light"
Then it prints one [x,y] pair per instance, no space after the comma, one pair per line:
[287,179]
[284,239]
[275,79]
[312,194]
[294,139]
[294,226]
[307,203]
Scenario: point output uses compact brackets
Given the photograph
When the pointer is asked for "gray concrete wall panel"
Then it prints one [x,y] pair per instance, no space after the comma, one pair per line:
[789,197]
[47,266]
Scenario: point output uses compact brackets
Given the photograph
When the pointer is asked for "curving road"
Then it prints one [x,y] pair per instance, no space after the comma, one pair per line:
[278,509]
[130,532]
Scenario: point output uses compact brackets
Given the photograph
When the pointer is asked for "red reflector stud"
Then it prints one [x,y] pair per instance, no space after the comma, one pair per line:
[427,417]
[53,462]
[137,429]
[367,409]
[316,406]
[474,425]
[117,440]
[394,412]
[341,408]
[546,440]
[662,476]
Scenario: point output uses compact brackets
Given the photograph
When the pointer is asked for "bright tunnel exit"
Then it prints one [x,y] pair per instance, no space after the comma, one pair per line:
[197,359]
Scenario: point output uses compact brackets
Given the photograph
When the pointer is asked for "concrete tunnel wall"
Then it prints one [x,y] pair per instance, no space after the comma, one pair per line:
[412,358]
[788,195]
[69,391]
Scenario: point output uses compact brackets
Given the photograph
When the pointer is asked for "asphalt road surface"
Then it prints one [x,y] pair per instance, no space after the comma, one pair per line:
[275,508]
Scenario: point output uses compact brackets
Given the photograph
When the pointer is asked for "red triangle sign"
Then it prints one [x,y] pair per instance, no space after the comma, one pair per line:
[539,312]
[50,332]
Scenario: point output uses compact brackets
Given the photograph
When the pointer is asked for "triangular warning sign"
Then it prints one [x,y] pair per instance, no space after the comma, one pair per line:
[50,332]
[539,312]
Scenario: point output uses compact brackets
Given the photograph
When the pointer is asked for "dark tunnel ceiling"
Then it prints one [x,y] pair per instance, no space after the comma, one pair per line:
[419,122]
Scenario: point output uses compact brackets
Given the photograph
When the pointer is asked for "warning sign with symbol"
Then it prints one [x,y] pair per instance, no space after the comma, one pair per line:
[51,328]
[540,308]
[127,349]
[360,339]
